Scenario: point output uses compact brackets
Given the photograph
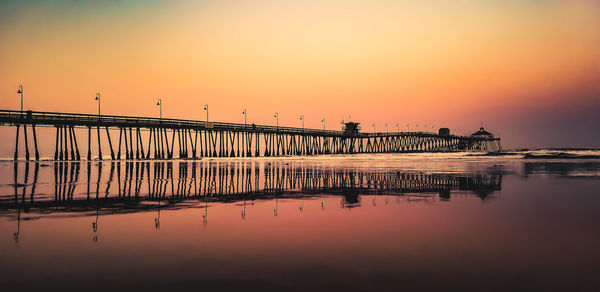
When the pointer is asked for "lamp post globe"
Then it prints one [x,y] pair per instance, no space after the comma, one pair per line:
[98,99]
[20,92]
[206,109]
[159,104]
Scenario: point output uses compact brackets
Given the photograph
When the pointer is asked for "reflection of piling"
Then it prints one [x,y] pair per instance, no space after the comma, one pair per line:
[240,180]
[16,235]
[110,178]
[89,173]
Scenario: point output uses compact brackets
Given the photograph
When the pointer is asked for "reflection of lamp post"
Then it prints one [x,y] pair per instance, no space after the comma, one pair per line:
[323,121]
[244,210]
[157,219]
[302,119]
[16,234]
[95,226]
[205,216]
[206,109]
[20,91]
[98,99]
[277,119]
[159,104]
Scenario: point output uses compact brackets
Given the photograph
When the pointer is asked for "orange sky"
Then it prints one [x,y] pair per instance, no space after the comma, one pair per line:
[509,64]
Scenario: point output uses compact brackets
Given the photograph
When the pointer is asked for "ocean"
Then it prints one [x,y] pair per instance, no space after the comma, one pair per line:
[512,220]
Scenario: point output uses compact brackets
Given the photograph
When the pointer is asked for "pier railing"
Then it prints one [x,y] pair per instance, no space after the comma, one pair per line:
[12,117]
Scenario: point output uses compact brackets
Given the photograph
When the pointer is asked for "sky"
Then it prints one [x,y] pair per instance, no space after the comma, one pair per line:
[528,71]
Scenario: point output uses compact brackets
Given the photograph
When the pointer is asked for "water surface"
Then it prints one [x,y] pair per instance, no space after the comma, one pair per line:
[364,222]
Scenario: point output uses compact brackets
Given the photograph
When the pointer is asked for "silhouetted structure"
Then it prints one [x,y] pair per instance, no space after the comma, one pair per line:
[444,132]
[483,137]
[351,129]
[203,139]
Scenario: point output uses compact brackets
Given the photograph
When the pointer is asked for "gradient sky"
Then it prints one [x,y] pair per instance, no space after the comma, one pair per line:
[528,70]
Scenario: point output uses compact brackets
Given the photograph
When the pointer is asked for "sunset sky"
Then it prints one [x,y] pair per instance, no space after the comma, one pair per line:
[528,70]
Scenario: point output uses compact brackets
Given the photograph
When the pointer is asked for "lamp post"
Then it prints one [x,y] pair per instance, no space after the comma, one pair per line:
[20,91]
[206,109]
[245,113]
[373,127]
[277,120]
[408,127]
[398,127]
[323,121]
[159,104]
[98,99]
[387,130]
[97,129]
[302,119]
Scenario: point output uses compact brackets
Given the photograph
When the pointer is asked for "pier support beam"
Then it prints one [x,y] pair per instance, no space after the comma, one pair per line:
[77,154]
[26,143]
[139,134]
[17,143]
[89,155]
[131,144]
[120,138]
[112,153]
[56,146]
[149,143]
[155,132]
[37,154]
[137,143]
[71,142]
[126,144]
[99,145]
[65,139]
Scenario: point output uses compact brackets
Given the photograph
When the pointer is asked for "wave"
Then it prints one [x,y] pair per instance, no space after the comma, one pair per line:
[560,155]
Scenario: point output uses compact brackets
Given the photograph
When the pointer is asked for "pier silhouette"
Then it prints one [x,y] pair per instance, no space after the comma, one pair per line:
[196,139]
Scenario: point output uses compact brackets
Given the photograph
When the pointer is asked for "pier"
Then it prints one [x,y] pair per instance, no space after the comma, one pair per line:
[143,138]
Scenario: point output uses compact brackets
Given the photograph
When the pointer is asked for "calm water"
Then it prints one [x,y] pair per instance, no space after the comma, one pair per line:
[380,222]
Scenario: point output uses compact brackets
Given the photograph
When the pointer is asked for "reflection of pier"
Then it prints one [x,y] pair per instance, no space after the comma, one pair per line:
[95,189]
[134,185]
